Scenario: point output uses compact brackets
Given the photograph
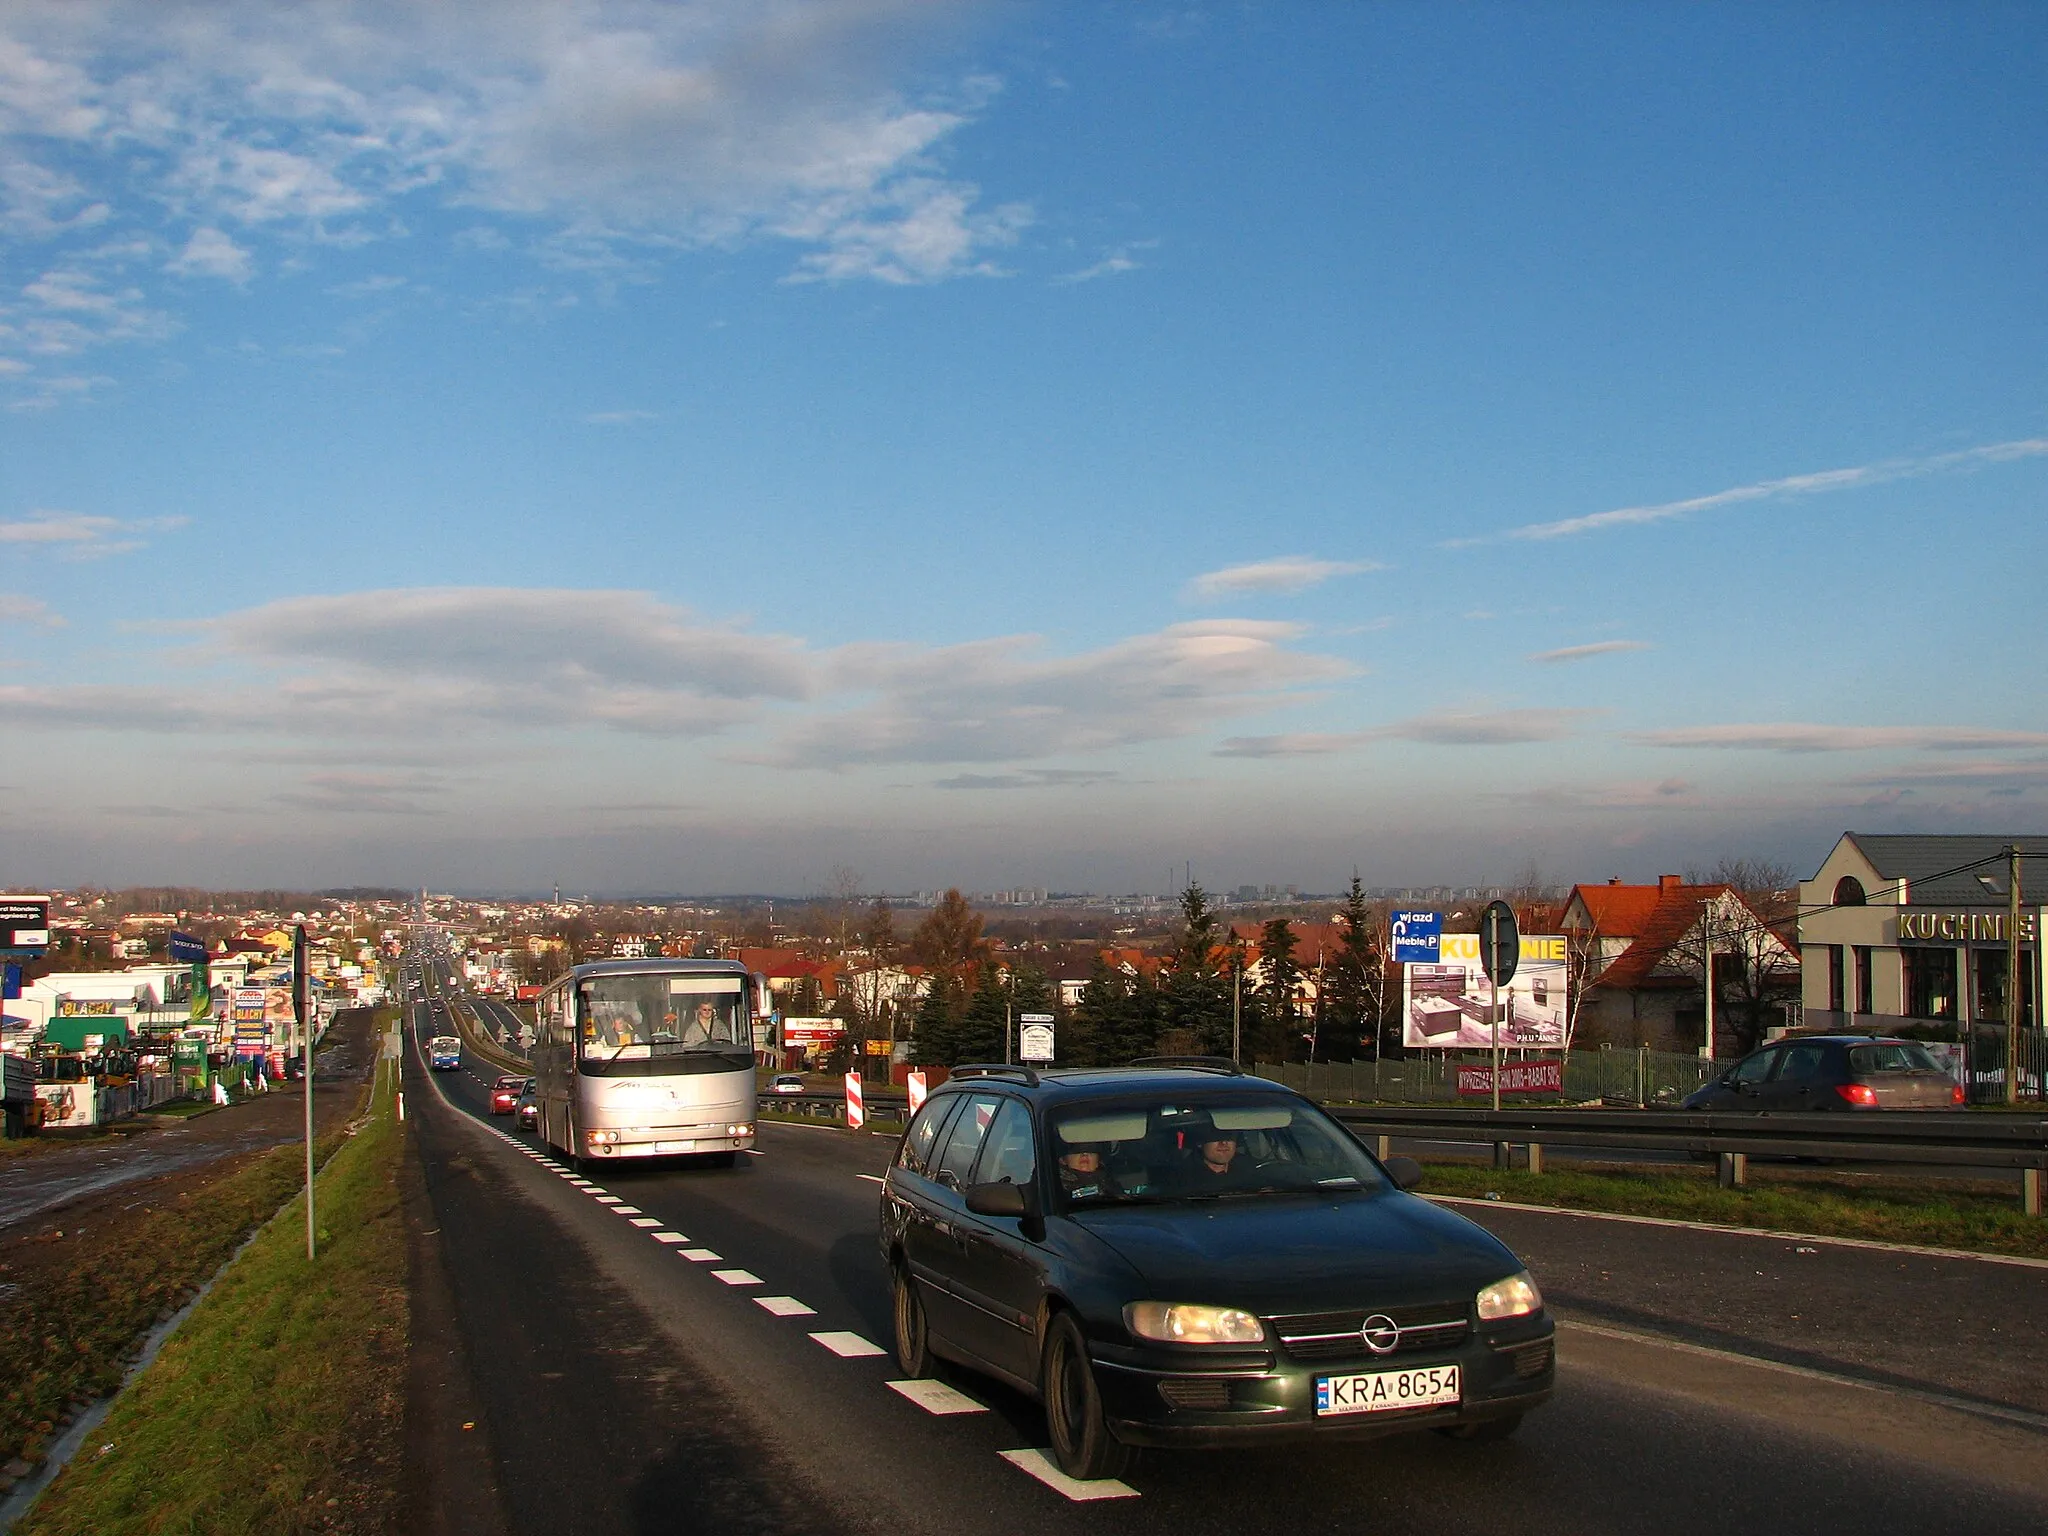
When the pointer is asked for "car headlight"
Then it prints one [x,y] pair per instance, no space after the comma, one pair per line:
[1172,1322]
[1515,1296]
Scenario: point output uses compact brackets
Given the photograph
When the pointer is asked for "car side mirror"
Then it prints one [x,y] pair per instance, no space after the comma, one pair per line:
[998,1200]
[1404,1171]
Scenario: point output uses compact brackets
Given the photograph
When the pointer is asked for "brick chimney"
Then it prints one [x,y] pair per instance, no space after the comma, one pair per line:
[1670,882]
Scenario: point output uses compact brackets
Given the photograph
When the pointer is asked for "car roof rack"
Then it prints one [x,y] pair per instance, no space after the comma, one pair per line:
[1222,1064]
[1023,1075]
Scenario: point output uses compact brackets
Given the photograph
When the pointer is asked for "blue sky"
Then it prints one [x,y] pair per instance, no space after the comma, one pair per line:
[692,447]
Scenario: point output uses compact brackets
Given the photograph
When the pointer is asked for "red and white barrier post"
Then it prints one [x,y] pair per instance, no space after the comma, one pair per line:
[856,1112]
[914,1081]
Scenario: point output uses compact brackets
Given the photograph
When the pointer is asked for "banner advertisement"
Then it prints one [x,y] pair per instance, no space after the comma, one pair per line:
[819,1031]
[1451,1005]
[1545,1075]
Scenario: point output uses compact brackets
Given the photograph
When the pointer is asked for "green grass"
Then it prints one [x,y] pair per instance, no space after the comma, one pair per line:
[284,1390]
[1928,1213]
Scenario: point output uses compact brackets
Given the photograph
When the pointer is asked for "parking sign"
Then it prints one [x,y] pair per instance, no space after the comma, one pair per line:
[1418,937]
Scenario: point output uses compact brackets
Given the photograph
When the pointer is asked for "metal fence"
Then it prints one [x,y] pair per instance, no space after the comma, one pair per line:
[1639,1076]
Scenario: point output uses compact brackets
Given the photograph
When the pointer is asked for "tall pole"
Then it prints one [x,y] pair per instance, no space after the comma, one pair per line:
[305,1035]
[2012,974]
[1237,1008]
[1707,974]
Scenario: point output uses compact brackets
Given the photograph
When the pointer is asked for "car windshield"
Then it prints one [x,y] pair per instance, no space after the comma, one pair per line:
[1195,1148]
[1891,1056]
[659,1015]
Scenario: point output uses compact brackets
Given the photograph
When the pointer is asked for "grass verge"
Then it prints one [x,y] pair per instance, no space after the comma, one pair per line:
[279,1405]
[1926,1213]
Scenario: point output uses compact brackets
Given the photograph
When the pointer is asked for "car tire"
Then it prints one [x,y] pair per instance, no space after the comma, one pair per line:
[1485,1431]
[1081,1440]
[913,1328]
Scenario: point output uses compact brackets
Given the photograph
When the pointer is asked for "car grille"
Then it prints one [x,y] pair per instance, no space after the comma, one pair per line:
[1193,1392]
[1531,1359]
[1335,1335]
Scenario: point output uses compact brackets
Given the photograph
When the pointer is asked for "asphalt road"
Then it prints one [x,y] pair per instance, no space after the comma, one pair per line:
[677,1349]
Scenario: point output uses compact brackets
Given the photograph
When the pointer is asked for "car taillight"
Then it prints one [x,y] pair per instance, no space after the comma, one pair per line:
[1862,1095]
[1955,1094]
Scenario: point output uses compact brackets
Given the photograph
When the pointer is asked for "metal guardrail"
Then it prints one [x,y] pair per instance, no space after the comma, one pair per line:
[1948,1139]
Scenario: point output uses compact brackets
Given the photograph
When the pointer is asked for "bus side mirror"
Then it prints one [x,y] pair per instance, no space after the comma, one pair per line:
[764,1000]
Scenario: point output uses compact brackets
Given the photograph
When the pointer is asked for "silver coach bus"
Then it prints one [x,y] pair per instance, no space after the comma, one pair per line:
[647,1058]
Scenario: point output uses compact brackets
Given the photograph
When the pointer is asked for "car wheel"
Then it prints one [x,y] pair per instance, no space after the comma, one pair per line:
[1485,1431]
[913,1332]
[1081,1441]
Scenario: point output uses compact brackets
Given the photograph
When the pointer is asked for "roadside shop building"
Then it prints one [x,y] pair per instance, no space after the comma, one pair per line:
[1897,929]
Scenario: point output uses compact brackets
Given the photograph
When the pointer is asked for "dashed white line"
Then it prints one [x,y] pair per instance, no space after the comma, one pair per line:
[1040,1466]
[784,1306]
[668,1237]
[644,1221]
[625,1210]
[736,1276]
[609,1200]
[848,1346]
[936,1397]
[701,1255]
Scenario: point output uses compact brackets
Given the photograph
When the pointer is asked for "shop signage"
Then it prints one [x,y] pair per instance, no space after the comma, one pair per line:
[1981,927]
[89,1007]
[1418,937]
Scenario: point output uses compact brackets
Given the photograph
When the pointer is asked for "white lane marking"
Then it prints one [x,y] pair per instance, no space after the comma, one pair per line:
[872,1178]
[1040,1466]
[609,1200]
[936,1397]
[645,1221]
[785,1306]
[736,1276]
[1765,1232]
[702,1255]
[668,1237]
[582,1183]
[625,1210]
[848,1346]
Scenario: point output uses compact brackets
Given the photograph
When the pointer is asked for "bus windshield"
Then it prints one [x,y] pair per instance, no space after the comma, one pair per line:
[627,1017]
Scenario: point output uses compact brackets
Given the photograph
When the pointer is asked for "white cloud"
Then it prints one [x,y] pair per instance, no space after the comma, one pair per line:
[1282,573]
[1641,795]
[82,535]
[1843,738]
[1449,728]
[1789,486]
[209,253]
[16,608]
[1587,652]
[999,700]
[1030,778]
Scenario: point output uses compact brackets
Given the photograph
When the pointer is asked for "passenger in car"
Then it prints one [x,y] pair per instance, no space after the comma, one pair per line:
[1082,1176]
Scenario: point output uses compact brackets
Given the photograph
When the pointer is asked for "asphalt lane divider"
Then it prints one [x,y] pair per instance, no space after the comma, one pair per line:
[934,1397]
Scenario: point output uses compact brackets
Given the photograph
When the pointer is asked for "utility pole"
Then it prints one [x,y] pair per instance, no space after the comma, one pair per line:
[1236,1007]
[1707,976]
[305,1035]
[2012,974]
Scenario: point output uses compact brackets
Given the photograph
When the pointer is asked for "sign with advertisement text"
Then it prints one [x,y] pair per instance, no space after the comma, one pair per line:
[1544,1075]
[1452,1006]
[1417,936]
[1034,1037]
[24,922]
[813,1031]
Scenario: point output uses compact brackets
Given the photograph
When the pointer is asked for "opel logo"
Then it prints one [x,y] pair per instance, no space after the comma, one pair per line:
[1382,1335]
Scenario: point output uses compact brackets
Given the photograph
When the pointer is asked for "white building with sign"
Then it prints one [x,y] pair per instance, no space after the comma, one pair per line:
[1907,928]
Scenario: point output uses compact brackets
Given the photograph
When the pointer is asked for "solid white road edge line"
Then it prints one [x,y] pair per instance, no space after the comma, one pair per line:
[1040,1466]
[1775,1236]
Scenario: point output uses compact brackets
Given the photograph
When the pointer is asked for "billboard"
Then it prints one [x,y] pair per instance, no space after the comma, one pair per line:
[819,1031]
[1543,1074]
[24,922]
[1451,1005]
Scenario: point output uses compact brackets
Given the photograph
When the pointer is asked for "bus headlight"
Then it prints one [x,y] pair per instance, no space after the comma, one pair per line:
[599,1138]
[737,1132]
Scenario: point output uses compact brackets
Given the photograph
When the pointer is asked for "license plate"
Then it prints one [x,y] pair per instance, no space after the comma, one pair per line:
[1429,1386]
[675,1146]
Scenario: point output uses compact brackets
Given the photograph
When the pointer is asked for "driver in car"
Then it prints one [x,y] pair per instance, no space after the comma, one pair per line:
[1212,1161]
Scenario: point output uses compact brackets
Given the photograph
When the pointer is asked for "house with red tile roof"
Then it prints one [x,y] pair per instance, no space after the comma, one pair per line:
[1638,953]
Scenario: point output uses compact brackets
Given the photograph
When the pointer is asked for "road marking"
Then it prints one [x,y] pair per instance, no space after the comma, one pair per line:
[936,1397]
[752,1151]
[668,1237]
[701,1255]
[1833,1378]
[582,1183]
[625,1210]
[785,1306]
[1713,1226]
[1040,1466]
[736,1276]
[872,1178]
[609,1200]
[848,1346]
[644,1221]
